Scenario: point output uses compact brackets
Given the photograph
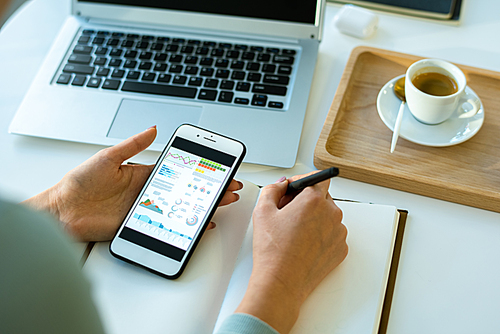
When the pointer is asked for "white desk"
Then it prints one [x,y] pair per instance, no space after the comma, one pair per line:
[448,276]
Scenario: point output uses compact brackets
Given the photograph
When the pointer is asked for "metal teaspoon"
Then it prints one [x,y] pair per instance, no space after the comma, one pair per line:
[399,90]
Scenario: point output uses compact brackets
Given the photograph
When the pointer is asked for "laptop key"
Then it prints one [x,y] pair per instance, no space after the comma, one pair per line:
[241,47]
[79,80]
[226,97]
[224,74]
[116,53]
[115,62]
[179,79]
[221,63]
[283,59]
[148,76]
[172,47]
[276,79]
[161,56]
[241,100]
[134,75]
[130,54]
[113,42]
[269,89]
[127,43]
[268,68]
[80,59]
[238,75]
[237,65]
[202,51]
[243,86]
[130,63]
[227,84]
[159,89]
[111,84]
[207,72]
[142,45]
[160,67]
[118,74]
[254,77]
[207,61]
[64,79]
[217,52]
[78,69]
[253,66]
[264,57]
[157,46]
[84,40]
[259,100]
[102,72]
[193,81]
[192,70]
[233,54]
[88,32]
[145,65]
[145,55]
[287,70]
[98,40]
[248,55]
[207,94]
[100,61]
[176,58]
[211,83]
[83,49]
[176,68]
[277,105]
[164,78]
[94,83]
[187,49]
[191,60]
[288,52]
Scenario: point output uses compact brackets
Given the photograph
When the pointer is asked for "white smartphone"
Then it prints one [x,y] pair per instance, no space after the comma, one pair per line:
[173,209]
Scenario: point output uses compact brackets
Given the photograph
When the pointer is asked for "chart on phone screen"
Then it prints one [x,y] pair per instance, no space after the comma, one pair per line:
[178,198]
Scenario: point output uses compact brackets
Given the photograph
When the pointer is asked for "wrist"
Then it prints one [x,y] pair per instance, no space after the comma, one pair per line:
[45,201]
[272,302]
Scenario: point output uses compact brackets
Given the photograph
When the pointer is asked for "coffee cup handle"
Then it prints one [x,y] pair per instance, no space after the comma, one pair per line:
[474,101]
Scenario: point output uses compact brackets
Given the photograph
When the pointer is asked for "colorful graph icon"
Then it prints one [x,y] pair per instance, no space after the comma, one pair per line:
[192,220]
[186,160]
[149,204]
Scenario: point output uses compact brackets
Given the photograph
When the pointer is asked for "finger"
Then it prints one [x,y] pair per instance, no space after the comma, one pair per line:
[132,146]
[235,185]
[228,198]
[211,226]
[271,194]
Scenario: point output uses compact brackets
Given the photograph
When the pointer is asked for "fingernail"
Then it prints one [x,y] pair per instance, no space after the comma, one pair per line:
[240,184]
[283,178]
[154,126]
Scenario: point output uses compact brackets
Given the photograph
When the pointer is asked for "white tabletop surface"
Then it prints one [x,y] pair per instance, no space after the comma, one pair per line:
[449,270]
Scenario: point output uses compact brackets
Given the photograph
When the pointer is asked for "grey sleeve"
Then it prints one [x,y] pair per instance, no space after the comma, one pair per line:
[240,323]
[42,288]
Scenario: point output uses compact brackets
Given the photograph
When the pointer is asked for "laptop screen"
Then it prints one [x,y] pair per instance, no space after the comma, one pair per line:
[300,11]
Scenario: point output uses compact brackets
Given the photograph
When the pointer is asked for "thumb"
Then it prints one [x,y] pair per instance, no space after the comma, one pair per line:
[132,146]
[272,194]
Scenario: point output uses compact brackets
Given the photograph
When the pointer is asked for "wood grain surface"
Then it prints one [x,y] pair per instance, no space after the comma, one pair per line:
[355,139]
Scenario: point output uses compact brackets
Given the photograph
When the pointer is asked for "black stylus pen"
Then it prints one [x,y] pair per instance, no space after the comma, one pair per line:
[312,179]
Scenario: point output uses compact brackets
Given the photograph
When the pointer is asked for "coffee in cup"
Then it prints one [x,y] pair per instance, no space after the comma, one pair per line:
[435,90]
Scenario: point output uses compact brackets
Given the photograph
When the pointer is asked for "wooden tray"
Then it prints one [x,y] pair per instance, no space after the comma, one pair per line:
[356,140]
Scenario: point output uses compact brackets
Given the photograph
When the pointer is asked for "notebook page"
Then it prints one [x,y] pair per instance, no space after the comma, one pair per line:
[133,300]
[350,298]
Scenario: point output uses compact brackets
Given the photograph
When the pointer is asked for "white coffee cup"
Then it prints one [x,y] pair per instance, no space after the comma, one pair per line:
[434,109]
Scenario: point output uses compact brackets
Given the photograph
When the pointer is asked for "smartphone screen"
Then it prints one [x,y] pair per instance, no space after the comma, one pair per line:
[174,205]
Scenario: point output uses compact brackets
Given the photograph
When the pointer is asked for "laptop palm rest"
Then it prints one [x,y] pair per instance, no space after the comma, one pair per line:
[134,116]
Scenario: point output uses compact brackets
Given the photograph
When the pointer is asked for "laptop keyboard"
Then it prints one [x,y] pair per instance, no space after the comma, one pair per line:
[195,69]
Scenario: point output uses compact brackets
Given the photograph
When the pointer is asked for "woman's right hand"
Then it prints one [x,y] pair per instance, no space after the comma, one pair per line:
[297,241]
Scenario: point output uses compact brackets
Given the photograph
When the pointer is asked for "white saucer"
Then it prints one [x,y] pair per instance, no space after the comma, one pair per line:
[451,132]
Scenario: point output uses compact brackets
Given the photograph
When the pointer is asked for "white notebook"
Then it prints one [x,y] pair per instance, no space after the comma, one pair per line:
[133,300]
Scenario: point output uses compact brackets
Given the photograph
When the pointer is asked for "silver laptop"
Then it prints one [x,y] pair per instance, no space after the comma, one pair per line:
[240,68]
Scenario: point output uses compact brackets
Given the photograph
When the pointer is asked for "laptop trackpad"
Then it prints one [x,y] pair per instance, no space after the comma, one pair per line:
[134,116]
